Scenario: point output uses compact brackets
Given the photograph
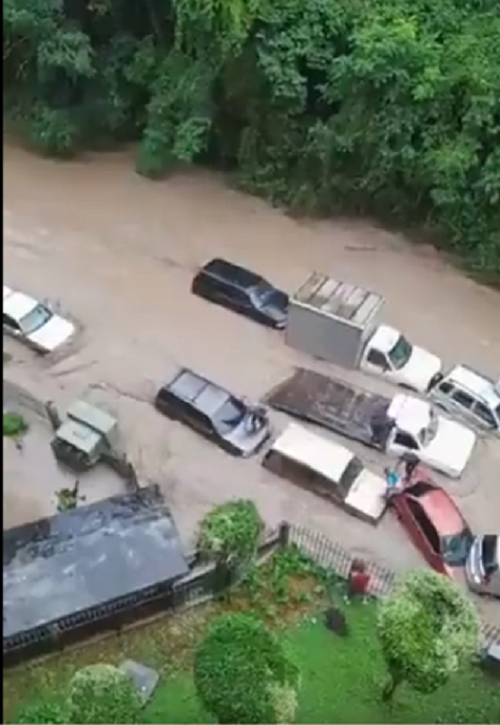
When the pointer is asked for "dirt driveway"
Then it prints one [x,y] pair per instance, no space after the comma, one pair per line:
[118,252]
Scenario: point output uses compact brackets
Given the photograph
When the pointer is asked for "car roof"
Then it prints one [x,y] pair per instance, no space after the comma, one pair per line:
[384,338]
[316,453]
[17,304]
[440,509]
[205,395]
[476,383]
[410,414]
[234,273]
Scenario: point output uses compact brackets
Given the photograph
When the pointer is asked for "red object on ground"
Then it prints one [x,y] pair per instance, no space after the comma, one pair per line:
[359,581]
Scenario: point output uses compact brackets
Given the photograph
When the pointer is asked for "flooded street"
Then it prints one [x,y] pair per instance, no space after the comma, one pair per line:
[118,252]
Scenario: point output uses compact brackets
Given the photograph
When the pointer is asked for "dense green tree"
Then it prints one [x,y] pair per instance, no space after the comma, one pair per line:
[243,673]
[385,106]
[428,629]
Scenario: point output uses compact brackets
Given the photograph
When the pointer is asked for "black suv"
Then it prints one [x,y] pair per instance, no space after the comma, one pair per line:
[243,291]
[212,411]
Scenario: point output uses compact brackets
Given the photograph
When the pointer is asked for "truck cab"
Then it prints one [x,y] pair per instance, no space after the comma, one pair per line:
[389,354]
[442,444]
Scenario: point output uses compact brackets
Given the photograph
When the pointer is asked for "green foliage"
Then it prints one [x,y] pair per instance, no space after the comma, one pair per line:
[243,673]
[389,107]
[230,533]
[428,629]
[14,424]
[102,694]
[50,711]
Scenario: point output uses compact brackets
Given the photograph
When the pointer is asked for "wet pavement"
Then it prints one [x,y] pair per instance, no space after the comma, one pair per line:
[118,252]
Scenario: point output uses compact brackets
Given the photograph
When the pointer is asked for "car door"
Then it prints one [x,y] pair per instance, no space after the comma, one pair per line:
[11,326]
[402,442]
[375,362]
[462,402]
[483,416]
[424,534]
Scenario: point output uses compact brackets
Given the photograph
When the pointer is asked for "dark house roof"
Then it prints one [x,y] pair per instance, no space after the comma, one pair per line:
[86,557]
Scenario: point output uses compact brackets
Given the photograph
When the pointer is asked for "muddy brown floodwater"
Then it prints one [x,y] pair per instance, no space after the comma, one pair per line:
[117,252]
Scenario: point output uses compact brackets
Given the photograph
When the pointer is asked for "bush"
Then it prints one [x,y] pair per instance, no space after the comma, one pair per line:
[50,712]
[243,673]
[14,424]
[230,533]
[102,694]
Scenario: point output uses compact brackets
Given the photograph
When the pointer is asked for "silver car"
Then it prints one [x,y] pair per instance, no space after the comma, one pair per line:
[482,568]
[471,396]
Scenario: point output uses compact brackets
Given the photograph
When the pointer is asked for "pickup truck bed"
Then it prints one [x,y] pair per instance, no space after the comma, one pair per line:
[330,403]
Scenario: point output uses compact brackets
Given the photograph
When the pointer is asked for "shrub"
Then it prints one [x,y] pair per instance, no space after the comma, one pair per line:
[53,712]
[102,694]
[428,629]
[243,673]
[230,533]
[14,424]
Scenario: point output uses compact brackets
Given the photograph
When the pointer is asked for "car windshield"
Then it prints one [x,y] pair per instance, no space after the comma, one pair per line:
[352,471]
[229,415]
[427,435]
[400,353]
[38,317]
[455,547]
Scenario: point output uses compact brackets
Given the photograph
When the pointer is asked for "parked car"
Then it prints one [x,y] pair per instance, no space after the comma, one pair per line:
[327,469]
[34,323]
[394,425]
[243,291]
[470,395]
[435,525]
[212,411]
[483,565]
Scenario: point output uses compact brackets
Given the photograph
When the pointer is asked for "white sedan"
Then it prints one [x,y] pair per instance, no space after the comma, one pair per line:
[33,322]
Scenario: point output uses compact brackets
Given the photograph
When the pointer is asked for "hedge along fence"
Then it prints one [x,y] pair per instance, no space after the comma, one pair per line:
[199,586]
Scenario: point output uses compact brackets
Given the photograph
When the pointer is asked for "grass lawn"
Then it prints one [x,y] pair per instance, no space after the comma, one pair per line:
[342,678]
[341,683]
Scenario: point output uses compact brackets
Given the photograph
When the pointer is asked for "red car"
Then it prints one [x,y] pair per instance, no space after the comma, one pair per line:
[435,525]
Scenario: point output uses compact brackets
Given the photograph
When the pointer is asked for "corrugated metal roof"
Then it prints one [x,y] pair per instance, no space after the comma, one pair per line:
[341,299]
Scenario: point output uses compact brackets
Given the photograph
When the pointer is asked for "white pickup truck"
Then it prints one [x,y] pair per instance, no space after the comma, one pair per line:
[394,425]
[339,322]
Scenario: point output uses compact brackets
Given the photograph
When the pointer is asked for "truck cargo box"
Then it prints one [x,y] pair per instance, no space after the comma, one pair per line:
[332,320]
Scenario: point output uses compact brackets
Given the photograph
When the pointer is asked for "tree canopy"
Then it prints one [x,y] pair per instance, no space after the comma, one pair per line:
[385,106]
[243,673]
[428,629]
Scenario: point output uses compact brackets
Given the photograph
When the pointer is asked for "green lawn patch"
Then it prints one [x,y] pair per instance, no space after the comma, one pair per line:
[341,677]
[342,681]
